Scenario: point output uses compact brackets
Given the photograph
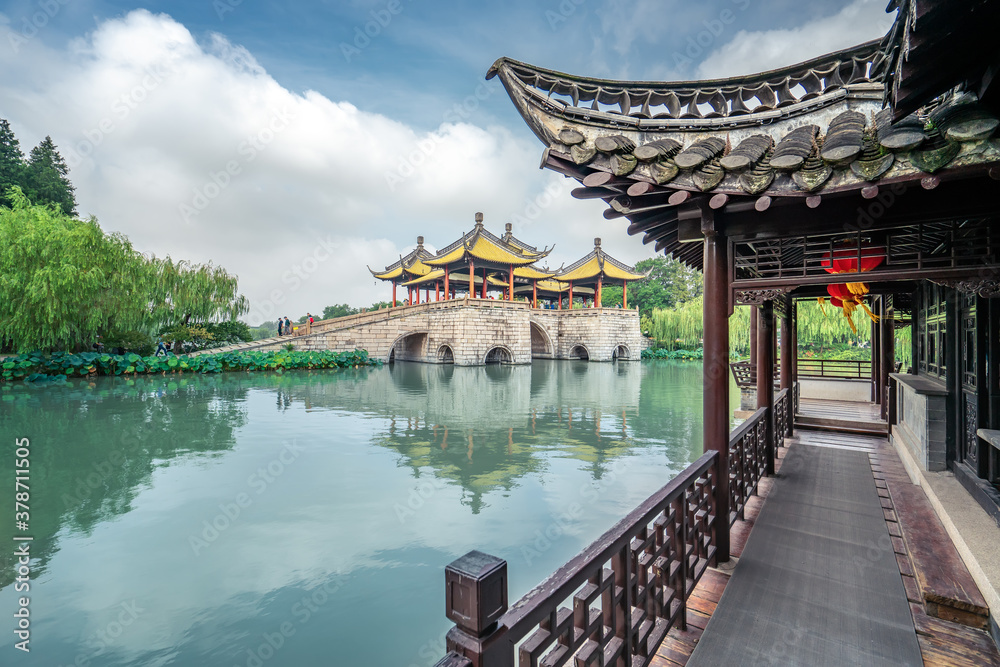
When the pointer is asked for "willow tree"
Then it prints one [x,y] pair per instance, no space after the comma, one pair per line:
[64,282]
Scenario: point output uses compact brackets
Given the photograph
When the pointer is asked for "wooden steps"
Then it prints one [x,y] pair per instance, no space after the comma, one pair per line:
[842,416]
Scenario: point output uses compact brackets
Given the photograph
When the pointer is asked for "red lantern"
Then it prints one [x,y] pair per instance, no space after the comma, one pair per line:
[845,260]
[840,291]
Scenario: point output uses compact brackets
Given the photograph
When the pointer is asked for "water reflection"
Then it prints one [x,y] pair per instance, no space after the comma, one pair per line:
[392,473]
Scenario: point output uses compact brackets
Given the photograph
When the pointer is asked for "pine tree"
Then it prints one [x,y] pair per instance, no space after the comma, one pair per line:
[46,180]
[11,162]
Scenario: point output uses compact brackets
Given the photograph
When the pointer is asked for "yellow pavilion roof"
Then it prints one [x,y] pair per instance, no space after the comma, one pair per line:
[438,274]
[482,245]
[410,265]
[599,263]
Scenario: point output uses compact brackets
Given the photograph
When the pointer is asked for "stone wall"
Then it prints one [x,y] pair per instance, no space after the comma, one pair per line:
[921,420]
[466,331]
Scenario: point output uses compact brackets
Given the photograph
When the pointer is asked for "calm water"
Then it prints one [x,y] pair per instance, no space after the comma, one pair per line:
[306,518]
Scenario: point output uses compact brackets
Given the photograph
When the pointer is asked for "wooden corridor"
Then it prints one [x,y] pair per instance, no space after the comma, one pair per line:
[948,614]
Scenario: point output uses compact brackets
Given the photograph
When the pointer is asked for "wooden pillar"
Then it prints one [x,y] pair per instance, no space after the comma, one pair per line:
[876,361]
[484,283]
[888,349]
[624,294]
[560,301]
[472,278]
[715,400]
[597,296]
[437,290]
[765,374]
[787,351]
[571,295]
[393,294]
[754,312]
[447,291]
[534,294]
[510,291]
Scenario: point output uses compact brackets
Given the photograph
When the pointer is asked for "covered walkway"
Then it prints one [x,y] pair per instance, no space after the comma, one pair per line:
[818,582]
[839,561]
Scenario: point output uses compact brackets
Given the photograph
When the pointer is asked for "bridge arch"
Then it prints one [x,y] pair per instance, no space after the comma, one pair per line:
[579,351]
[621,352]
[410,346]
[498,354]
[541,342]
[445,355]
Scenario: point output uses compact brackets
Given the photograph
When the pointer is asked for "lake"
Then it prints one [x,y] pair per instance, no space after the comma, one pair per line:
[306,518]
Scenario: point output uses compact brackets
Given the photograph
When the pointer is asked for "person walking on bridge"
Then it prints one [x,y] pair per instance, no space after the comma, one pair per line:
[281,323]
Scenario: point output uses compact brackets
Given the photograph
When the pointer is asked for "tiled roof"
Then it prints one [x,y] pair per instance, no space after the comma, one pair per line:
[410,265]
[481,244]
[598,263]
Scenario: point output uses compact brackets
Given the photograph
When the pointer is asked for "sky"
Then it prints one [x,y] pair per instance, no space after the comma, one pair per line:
[297,143]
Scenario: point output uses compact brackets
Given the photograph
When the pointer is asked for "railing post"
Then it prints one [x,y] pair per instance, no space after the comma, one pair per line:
[475,599]
[765,376]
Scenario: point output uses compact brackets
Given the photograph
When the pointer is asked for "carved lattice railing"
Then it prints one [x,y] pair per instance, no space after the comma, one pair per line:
[747,461]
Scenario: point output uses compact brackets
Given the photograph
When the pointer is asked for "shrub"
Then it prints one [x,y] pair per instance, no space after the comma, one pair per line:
[37,366]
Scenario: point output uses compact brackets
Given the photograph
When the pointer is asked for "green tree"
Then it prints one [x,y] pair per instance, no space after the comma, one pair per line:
[46,178]
[338,310]
[11,162]
[670,283]
[63,282]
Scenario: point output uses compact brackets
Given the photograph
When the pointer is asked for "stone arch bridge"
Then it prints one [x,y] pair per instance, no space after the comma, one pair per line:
[471,332]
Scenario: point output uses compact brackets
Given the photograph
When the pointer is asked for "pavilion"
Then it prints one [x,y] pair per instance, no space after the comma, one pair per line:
[871,175]
[406,270]
[596,270]
[482,262]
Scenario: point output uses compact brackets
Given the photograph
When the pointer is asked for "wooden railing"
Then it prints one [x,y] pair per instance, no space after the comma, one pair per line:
[844,369]
[618,598]
[747,462]
[615,602]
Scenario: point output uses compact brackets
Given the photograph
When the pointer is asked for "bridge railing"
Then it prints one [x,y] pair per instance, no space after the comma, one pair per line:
[619,597]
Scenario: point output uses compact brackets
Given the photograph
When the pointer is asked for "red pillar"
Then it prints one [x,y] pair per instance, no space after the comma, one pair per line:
[393,294]
[624,294]
[447,292]
[472,278]
[534,294]
[571,295]
[484,283]
[715,399]
[597,296]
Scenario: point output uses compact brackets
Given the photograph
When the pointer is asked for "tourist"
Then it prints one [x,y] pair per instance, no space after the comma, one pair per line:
[280,324]
[288,327]
[161,346]
[310,320]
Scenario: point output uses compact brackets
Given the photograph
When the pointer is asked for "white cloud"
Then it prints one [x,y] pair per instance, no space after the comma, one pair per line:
[752,52]
[193,150]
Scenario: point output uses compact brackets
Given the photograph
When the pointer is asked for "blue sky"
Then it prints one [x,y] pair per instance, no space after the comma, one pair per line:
[342,110]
